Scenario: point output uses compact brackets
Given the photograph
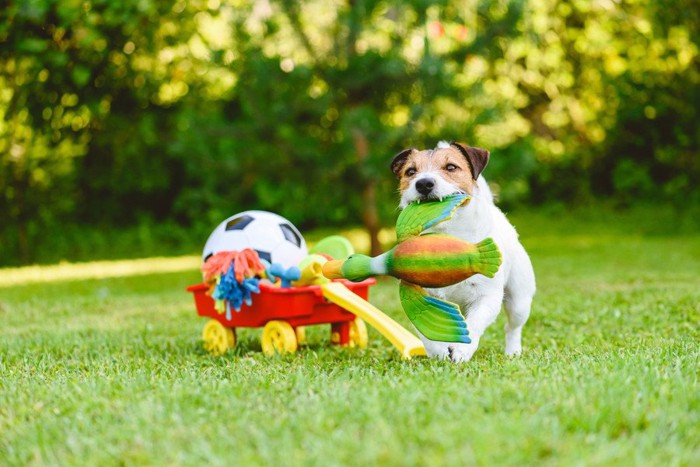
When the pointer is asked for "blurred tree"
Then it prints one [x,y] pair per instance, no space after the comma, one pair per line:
[326,93]
[118,114]
[63,67]
[610,92]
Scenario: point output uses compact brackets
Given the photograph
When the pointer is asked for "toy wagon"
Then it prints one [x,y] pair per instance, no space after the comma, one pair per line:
[283,313]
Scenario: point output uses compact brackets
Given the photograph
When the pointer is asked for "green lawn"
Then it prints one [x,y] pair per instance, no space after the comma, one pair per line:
[100,364]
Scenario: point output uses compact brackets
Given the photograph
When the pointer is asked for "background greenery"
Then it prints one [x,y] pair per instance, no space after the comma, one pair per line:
[133,127]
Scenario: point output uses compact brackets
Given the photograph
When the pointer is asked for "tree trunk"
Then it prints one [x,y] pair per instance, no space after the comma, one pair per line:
[370,215]
[19,213]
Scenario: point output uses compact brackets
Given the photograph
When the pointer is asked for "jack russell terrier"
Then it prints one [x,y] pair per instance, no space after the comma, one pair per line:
[456,168]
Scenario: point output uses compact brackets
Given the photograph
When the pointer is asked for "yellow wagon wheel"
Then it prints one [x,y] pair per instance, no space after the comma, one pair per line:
[358,334]
[217,337]
[300,331]
[278,337]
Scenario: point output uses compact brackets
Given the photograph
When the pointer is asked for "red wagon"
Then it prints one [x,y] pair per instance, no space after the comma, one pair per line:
[283,313]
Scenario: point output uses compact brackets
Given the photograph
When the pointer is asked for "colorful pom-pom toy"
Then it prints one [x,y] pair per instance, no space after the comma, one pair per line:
[232,277]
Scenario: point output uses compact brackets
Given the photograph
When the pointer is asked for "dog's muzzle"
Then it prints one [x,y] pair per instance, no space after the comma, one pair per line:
[425,185]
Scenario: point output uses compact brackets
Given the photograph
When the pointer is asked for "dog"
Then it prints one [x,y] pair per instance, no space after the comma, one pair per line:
[453,168]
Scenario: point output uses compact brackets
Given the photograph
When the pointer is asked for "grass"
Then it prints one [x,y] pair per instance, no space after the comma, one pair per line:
[100,364]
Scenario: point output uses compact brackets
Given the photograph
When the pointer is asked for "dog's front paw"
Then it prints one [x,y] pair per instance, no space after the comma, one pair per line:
[513,351]
[513,346]
[461,353]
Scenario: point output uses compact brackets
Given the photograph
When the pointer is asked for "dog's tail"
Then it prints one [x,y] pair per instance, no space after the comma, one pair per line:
[488,259]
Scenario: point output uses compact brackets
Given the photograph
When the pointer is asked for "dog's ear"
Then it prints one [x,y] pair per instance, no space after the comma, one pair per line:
[477,157]
[399,160]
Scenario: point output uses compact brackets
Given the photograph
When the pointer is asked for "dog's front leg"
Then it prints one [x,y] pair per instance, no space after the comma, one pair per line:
[480,315]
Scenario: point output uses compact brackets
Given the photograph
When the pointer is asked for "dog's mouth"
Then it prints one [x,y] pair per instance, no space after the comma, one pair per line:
[431,197]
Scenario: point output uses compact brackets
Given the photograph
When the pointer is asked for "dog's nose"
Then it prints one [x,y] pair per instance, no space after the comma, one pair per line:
[425,185]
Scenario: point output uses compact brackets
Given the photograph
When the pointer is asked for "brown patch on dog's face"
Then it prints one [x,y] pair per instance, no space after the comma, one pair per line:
[399,160]
[455,169]
[449,163]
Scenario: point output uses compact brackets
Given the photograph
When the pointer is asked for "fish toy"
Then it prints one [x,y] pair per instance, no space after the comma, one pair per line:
[423,259]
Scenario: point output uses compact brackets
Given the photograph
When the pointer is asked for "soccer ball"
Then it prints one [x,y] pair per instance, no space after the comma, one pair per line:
[274,238]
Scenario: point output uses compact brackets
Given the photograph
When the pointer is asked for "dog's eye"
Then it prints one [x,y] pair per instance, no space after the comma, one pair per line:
[410,172]
[451,167]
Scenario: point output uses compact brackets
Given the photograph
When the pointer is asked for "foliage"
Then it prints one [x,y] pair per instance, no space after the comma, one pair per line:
[138,112]
[608,90]
[108,368]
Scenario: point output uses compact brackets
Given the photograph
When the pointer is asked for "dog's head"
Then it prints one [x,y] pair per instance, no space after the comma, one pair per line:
[434,174]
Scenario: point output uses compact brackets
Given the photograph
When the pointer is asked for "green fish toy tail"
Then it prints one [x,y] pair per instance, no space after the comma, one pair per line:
[489,258]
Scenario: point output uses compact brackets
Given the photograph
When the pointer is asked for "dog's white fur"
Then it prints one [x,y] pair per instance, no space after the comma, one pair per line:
[479,297]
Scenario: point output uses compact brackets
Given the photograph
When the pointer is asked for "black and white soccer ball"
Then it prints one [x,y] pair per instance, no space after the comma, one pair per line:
[274,238]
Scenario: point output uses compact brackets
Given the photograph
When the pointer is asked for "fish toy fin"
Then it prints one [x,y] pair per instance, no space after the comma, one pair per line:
[417,217]
[436,319]
[488,259]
